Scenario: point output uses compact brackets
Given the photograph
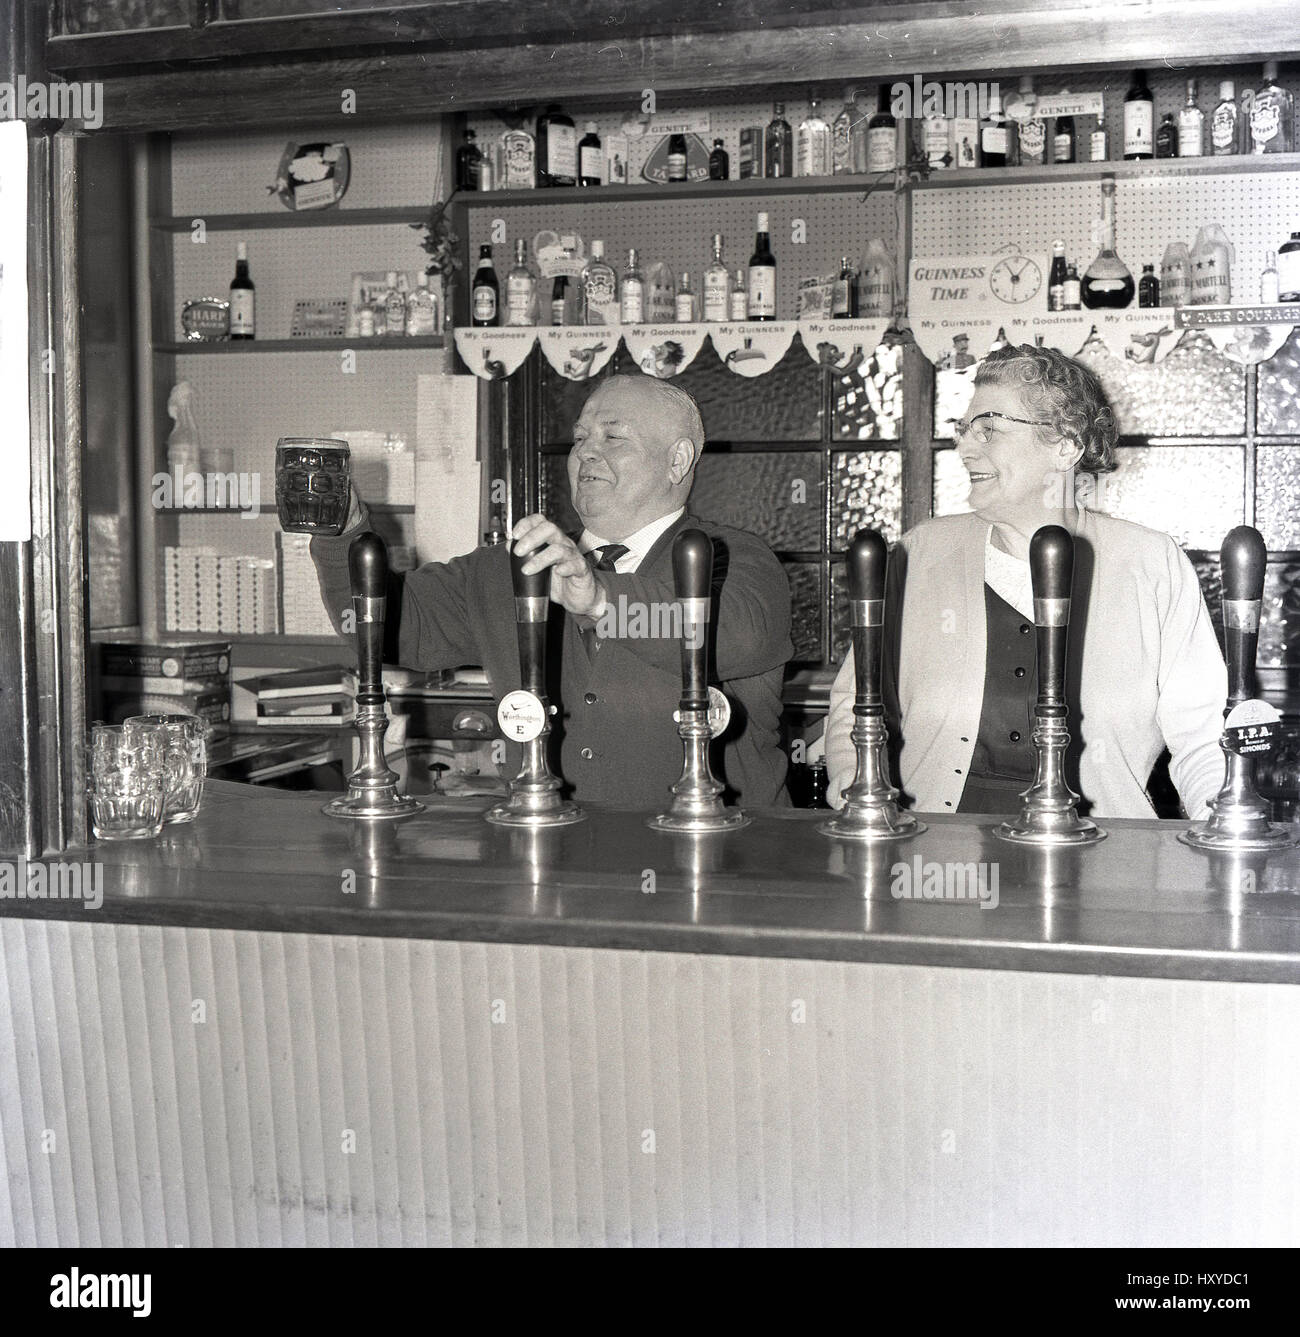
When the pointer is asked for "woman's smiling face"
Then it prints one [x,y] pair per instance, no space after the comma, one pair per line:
[1012,475]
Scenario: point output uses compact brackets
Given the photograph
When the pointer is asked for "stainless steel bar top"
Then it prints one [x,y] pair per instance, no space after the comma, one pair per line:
[1139,903]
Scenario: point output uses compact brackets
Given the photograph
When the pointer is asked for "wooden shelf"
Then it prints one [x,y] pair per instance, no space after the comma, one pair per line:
[396,215]
[689,190]
[1147,168]
[394,343]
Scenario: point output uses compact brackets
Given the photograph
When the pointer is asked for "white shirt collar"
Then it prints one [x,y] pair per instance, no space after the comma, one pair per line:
[1008,577]
[638,545]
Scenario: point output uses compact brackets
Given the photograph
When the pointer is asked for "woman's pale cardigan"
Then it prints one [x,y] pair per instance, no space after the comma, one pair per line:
[1152,673]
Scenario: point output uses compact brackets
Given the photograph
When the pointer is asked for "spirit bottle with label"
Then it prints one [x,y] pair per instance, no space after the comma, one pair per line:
[1139,118]
[1107,282]
[677,159]
[1063,140]
[717,283]
[685,313]
[993,132]
[1224,133]
[521,289]
[591,157]
[599,289]
[762,275]
[738,298]
[1056,279]
[1148,287]
[719,163]
[882,135]
[814,142]
[1099,140]
[1031,129]
[394,305]
[422,315]
[557,148]
[468,162]
[1191,126]
[243,310]
[1272,116]
[778,144]
[842,134]
[844,300]
[1269,287]
[1167,137]
[631,300]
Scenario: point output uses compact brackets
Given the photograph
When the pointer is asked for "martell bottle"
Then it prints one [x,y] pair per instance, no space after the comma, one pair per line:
[1139,118]
[557,148]
[1107,282]
[719,163]
[521,289]
[677,159]
[1056,279]
[1224,132]
[1191,126]
[243,310]
[882,135]
[485,294]
[1273,115]
[778,144]
[762,275]
[1148,287]
[591,158]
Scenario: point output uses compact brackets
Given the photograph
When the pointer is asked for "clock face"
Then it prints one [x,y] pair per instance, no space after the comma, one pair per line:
[1016,279]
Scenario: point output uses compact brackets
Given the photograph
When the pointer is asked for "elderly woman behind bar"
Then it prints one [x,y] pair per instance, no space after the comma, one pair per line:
[1145,671]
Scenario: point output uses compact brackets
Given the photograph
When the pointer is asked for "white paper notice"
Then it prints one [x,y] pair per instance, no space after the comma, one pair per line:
[447,474]
[15,434]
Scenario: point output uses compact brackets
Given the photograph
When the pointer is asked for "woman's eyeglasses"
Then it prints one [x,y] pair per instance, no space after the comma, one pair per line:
[980,431]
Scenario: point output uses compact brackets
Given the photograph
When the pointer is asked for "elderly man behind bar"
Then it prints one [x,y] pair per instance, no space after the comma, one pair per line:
[618,676]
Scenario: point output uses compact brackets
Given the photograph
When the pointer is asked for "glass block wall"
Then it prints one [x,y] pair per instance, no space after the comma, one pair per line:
[802,456]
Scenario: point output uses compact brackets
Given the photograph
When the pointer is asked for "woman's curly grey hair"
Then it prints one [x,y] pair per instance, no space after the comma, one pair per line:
[1064,392]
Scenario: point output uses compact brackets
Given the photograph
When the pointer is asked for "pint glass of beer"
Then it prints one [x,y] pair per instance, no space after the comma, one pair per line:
[312,477]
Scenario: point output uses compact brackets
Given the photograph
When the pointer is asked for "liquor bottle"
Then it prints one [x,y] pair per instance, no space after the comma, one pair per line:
[484,303]
[1072,293]
[394,305]
[882,135]
[1031,129]
[1176,274]
[422,315]
[677,159]
[591,157]
[631,293]
[1167,137]
[717,283]
[762,275]
[599,289]
[557,148]
[559,300]
[936,136]
[1056,279]
[1139,118]
[1063,140]
[778,144]
[738,298]
[1288,270]
[1224,132]
[521,289]
[844,298]
[469,160]
[751,152]
[518,160]
[685,312]
[1107,282]
[876,280]
[719,163]
[1099,140]
[993,132]
[1191,126]
[842,134]
[813,143]
[1269,287]
[966,138]
[1272,116]
[1148,287]
[486,173]
[243,306]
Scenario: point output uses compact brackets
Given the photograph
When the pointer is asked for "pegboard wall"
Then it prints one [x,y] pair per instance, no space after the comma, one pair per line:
[1256,210]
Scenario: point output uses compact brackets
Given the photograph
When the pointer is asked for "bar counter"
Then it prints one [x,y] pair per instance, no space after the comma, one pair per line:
[283,1029]
[1137,903]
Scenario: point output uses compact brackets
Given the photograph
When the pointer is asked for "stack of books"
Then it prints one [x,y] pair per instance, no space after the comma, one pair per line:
[313,698]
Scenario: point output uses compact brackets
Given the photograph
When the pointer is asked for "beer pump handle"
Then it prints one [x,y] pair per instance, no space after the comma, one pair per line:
[1242,560]
[692,581]
[868,556]
[1051,569]
[368,571]
[532,606]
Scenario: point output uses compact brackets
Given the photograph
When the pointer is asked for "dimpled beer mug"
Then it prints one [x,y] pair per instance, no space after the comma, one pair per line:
[312,476]
[125,783]
[183,741]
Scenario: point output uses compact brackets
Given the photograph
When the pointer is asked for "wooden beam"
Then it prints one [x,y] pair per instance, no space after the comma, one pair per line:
[932,39]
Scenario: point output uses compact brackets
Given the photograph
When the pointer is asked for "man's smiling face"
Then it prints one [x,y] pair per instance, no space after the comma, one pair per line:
[621,467]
